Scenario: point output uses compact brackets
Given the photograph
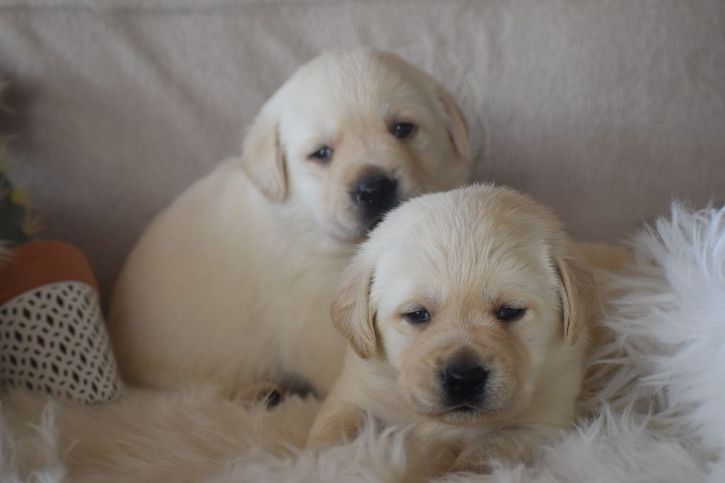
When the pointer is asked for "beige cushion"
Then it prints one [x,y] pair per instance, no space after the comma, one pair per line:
[604,109]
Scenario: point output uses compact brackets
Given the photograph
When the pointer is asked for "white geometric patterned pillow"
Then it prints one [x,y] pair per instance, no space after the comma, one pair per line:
[53,339]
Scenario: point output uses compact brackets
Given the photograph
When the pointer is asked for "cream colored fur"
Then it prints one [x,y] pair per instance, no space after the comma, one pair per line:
[158,436]
[658,418]
[461,255]
[232,282]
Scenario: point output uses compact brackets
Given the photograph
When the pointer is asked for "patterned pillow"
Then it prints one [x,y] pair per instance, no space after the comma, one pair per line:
[52,334]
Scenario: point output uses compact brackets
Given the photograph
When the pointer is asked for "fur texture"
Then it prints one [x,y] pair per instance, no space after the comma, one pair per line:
[657,418]
[461,258]
[231,284]
[30,453]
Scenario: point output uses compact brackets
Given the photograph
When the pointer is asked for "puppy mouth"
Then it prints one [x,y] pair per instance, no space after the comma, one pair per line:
[458,411]
[368,222]
[456,415]
[357,234]
[363,226]
[463,411]
[371,224]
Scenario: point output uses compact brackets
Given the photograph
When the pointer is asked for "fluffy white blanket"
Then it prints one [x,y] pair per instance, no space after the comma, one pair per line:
[659,417]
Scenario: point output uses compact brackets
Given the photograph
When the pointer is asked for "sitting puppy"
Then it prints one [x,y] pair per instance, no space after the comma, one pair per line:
[232,283]
[469,314]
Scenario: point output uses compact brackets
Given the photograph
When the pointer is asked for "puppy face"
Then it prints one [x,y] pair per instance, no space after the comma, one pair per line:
[468,296]
[353,134]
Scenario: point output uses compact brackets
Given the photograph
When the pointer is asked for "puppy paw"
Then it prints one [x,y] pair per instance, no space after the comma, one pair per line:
[272,394]
[268,393]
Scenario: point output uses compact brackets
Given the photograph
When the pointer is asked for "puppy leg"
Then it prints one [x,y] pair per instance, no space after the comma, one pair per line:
[274,393]
[338,420]
[516,445]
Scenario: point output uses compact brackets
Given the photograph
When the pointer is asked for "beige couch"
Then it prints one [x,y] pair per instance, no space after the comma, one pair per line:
[604,109]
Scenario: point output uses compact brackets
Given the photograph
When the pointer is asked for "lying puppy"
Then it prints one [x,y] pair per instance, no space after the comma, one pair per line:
[469,315]
[232,283]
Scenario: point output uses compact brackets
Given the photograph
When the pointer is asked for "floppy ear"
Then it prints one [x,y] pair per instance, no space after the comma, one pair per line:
[579,295]
[351,311]
[457,127]
[263,157]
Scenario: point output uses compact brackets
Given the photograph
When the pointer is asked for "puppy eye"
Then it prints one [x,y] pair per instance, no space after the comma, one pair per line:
[420,316]
[403,130]
[507,313]
[324,154]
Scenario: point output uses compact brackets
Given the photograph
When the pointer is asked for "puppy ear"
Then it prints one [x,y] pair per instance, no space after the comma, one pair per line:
[263,157]
[457,127]
[579,295]
[351,311]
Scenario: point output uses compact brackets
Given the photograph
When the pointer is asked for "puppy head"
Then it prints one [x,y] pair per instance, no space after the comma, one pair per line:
[471,296]
[351,135]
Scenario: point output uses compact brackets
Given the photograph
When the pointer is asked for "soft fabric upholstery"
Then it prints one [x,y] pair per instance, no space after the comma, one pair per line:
[604,109]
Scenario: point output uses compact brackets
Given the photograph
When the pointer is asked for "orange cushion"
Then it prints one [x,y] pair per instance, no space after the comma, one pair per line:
[41,263]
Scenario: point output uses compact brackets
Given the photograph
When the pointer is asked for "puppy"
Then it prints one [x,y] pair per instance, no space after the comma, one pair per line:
[469,316]
[232,283]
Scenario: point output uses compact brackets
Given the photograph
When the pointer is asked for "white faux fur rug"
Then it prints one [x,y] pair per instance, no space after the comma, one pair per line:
[659,418]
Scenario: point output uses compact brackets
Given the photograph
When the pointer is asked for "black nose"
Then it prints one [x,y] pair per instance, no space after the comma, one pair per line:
[464,381]
[375,196]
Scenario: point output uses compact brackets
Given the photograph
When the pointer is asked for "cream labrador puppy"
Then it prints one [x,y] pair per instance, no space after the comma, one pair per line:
[469,314]
[233,281]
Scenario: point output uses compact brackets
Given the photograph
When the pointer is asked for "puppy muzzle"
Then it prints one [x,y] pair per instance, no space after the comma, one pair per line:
[373,196]
[463,381]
